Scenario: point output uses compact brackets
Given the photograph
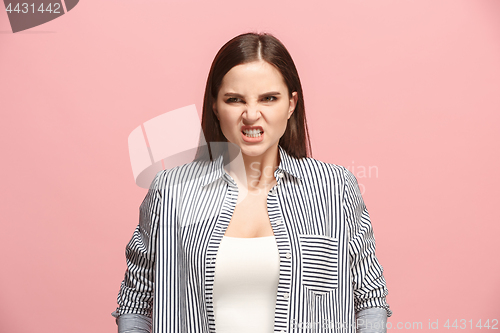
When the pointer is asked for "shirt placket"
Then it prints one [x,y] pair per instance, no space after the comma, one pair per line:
[283,297]
[221,225]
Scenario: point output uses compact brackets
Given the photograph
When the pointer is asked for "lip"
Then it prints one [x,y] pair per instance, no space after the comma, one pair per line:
[249,139]
[244,128]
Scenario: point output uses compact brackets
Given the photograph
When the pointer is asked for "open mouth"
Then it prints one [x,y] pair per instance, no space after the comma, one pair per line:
[252,133]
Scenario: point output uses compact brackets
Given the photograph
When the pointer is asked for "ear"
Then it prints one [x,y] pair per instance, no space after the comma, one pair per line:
[293,103]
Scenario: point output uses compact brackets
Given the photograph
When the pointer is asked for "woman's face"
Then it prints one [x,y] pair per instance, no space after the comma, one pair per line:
[254,96]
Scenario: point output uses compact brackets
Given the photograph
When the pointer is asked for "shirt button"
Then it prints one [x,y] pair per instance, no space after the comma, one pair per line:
[278,222]
[288,255]
[281,175]
[286,295]
[283,331]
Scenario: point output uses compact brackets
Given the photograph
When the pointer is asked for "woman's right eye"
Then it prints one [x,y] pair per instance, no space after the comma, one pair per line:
[232,99]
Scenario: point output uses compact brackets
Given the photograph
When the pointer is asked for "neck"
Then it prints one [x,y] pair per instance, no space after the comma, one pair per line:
[254,173]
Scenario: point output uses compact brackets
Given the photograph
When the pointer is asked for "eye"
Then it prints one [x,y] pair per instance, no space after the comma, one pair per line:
[233,100]
[269,98]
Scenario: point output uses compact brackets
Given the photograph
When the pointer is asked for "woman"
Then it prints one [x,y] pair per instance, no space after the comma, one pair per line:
[253,235]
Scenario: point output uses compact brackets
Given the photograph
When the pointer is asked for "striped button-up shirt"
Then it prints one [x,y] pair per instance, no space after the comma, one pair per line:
[328,270]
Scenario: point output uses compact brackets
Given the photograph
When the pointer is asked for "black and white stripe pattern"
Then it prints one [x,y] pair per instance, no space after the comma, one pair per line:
[328,267]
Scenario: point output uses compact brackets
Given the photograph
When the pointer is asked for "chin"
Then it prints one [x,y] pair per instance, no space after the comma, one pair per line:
[254,150]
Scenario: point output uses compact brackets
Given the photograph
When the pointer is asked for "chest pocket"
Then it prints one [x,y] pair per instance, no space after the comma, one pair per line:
[319,262]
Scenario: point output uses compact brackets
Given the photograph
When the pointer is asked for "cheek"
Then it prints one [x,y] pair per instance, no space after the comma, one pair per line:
[227,120]
[278,124]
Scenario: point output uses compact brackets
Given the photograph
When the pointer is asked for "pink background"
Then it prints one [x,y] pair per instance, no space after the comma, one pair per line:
[410,88]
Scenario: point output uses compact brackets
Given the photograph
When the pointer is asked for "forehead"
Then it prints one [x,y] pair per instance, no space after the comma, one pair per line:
[253,76]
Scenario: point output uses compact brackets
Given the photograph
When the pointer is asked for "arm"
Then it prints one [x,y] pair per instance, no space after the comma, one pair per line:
[368,281]
[135,298]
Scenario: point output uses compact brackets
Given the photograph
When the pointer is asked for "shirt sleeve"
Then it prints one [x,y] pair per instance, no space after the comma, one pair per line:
[371,320]
[137,288]
[368,281]
[135,323]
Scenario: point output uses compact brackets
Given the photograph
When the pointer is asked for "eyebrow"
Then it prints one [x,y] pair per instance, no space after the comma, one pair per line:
[261,95]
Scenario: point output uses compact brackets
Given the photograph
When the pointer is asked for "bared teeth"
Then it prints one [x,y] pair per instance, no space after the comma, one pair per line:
[252,133]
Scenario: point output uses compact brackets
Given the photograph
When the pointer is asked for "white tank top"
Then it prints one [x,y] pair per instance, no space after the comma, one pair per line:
[246,284]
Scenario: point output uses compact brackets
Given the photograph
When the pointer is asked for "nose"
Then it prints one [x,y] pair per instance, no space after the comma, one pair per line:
[251,112]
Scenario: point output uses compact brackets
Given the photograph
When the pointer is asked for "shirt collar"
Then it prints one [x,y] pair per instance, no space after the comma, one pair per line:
[288,164]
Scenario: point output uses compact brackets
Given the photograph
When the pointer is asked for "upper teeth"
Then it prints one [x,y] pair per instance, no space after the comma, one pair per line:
[255,131]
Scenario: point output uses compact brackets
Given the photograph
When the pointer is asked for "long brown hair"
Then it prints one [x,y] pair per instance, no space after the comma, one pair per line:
[245,48]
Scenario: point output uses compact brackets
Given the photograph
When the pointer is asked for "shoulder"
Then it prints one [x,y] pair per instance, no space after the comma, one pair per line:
[315,170]
[180,175]
[333,178]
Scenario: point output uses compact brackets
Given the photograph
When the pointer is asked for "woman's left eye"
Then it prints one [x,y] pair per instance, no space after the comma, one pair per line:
[268,98]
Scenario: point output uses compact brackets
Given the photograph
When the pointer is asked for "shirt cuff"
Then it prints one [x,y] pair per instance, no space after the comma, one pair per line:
[371,320]
[133,323]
